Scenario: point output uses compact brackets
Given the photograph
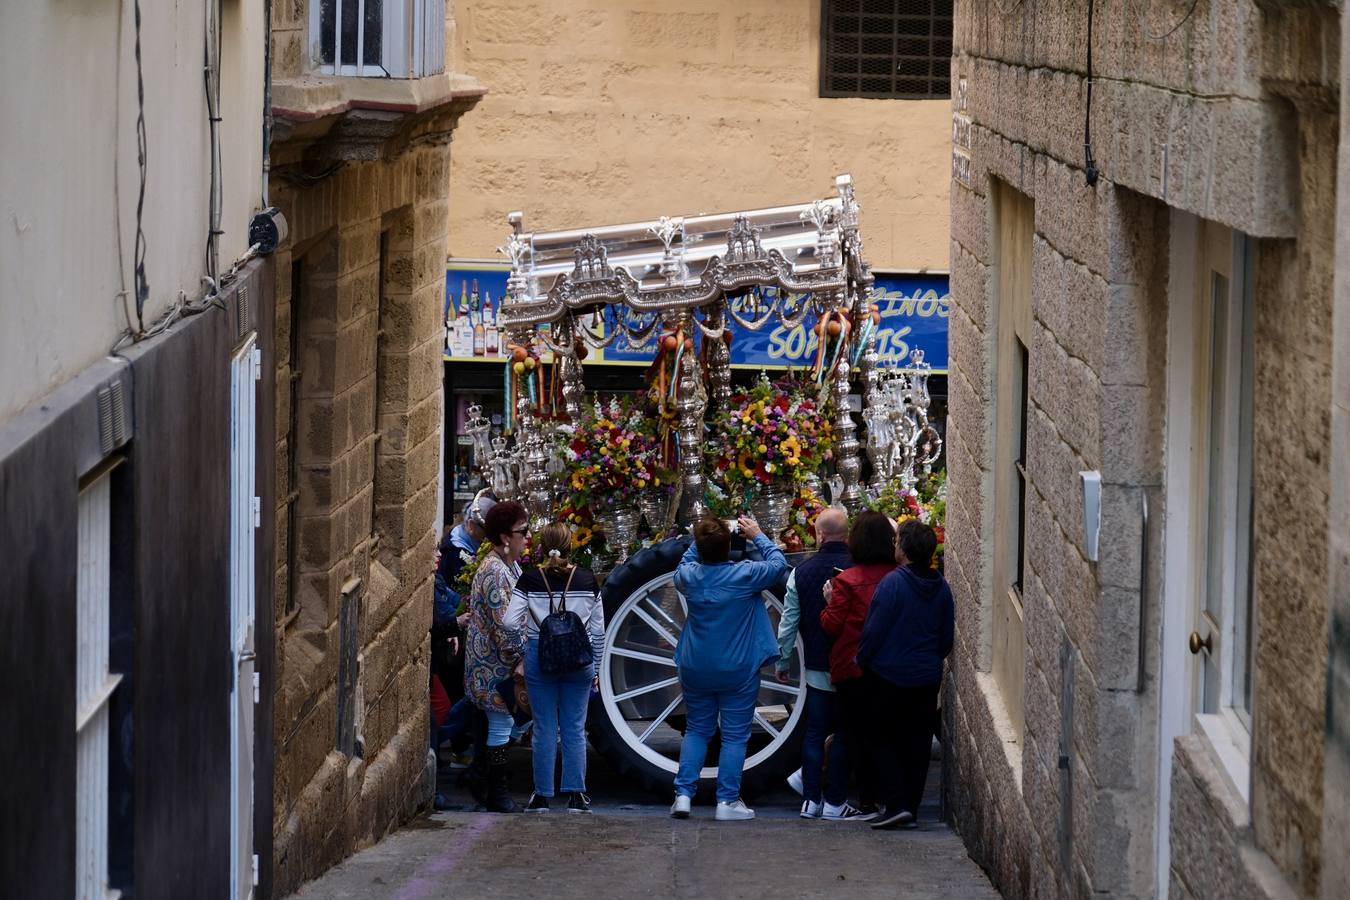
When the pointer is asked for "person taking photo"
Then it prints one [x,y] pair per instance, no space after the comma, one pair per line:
[727,638]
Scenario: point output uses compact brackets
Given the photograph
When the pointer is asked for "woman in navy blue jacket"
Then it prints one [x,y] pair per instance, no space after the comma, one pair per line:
[908,632]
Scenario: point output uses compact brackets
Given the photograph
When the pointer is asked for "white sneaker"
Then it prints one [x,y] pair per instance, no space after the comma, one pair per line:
[680,808]
[795,782]
[811,810]
[733,812]
[843,813]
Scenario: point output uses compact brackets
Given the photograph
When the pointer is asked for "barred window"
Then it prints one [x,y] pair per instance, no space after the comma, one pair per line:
[886,48]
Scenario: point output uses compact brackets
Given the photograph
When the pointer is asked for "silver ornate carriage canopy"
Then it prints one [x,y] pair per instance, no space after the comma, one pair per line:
[684,274]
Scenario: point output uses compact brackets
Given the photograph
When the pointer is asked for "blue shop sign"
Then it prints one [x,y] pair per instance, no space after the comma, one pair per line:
[914,311]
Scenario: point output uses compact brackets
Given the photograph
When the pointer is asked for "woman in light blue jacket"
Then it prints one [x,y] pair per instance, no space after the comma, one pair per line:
[727,638]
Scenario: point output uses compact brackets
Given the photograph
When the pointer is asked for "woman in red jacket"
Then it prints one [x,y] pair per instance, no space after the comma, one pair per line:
[871,543]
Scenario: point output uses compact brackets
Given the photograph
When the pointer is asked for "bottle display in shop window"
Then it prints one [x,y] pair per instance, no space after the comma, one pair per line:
[463,335]
[479,337]
[451,325]
[490,317]
[479,330]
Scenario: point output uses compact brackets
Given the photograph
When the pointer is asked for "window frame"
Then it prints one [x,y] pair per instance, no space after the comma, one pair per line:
[1013,215]
[1224,372]
[96,681]
[827,16]
[411,40]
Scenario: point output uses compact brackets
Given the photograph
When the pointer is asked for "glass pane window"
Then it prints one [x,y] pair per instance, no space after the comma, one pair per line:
[378,38]
[1225,351]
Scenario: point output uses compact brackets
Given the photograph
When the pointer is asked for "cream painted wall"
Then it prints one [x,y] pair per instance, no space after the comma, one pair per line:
[68,143]
[603,111]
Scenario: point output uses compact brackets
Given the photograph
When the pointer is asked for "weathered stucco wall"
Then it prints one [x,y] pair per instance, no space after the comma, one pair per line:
[69,149]
[1232,118]
[622,110]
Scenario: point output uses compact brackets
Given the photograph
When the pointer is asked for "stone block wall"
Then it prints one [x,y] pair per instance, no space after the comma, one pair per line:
[1233,118]
[622,110]
[366,254]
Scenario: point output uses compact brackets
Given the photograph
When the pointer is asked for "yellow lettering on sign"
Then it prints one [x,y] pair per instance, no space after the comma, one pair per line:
[891,342]
[793,344]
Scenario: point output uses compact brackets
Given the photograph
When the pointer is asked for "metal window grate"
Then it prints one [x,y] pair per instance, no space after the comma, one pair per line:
[886,48]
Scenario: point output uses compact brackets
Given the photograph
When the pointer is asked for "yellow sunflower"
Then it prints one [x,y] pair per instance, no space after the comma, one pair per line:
[581,537]
[744,462]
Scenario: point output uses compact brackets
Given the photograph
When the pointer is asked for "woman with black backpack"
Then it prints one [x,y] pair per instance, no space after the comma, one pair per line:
[557,606]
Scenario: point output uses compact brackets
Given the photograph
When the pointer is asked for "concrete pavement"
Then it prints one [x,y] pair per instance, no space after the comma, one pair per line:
[635,853]
[631,848]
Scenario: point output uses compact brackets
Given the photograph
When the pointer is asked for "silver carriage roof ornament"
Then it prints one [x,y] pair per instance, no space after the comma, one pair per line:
[682,262]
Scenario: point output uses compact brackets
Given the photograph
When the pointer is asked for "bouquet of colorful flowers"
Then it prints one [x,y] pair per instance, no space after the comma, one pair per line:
[802,520]
[926,501]
[611,456]
[773,433]
[464,582]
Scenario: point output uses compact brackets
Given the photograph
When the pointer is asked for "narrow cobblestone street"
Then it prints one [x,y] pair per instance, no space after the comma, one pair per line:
[630,847]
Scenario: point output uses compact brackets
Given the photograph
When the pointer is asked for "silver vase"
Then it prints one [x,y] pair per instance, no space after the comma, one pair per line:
[655,505]
[620,527]
[771,509]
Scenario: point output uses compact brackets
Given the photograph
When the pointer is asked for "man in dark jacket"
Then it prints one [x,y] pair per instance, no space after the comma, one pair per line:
[801,616]
[907,634]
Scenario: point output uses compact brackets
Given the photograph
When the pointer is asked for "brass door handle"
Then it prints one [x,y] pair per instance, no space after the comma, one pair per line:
[1197,643]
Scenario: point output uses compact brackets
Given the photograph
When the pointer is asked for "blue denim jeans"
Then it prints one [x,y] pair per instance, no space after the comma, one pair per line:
[457,722]
[559,706]
[711,706]
[498,728]
[822,720]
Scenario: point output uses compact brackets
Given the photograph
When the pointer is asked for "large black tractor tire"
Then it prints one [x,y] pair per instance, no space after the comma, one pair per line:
[641,569]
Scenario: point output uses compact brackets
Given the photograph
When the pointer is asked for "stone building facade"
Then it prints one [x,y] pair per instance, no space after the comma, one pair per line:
[622,110]
[360,168]
[1139,702]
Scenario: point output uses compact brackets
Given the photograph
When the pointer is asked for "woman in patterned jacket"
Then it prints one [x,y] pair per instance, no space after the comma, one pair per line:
[492,649]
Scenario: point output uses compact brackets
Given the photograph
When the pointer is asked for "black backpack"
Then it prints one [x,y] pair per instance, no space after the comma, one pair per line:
[564,645]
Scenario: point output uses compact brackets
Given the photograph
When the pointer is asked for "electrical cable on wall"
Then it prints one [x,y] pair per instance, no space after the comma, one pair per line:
[267,101]
[1089,164]
[123,294]
[212,79]
[142,282]
[1171,31]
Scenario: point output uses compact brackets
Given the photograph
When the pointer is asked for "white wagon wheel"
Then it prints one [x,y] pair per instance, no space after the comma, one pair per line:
[638,719]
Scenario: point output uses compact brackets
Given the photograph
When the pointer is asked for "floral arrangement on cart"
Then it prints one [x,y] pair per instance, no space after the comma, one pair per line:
[926,501]
[612,472]
[771,445]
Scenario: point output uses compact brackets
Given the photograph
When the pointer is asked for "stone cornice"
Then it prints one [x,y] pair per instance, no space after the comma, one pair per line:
[338,118]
